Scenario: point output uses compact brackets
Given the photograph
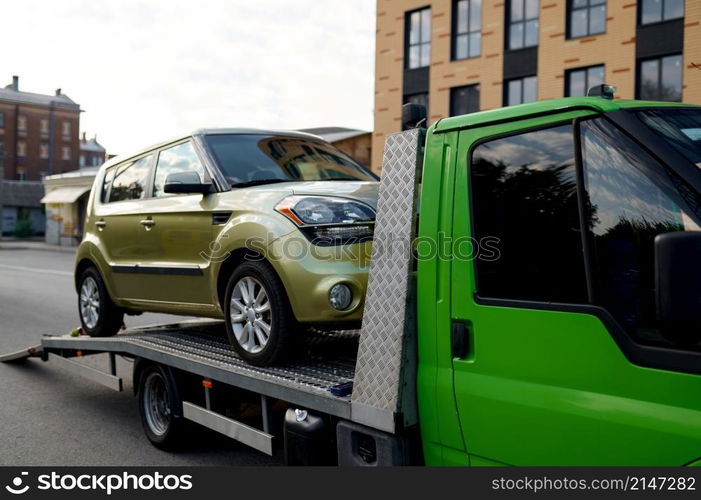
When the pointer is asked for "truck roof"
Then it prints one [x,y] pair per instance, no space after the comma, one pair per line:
[522,111]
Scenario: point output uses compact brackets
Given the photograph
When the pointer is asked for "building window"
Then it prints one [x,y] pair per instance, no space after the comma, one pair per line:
[2,120]
[586,17]
[21,174]
[521,90]
[467,29]
[21,123]
[66,128]
[82,161]
[65,153]
[661,79]
[523,23]
[655,11]
[418,24]
[580,80]
[464,100]
[44,126]
[21,148]
[44,151]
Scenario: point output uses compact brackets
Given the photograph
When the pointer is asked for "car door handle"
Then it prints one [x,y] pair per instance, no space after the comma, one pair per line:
[148,223]
[100,225]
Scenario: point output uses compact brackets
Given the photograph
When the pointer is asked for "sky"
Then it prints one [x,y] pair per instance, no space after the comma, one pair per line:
[146,71]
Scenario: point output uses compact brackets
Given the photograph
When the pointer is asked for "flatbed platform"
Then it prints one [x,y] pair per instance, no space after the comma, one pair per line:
[202,348]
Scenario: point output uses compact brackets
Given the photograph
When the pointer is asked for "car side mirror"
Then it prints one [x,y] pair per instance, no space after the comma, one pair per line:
[678,284]
[186,183]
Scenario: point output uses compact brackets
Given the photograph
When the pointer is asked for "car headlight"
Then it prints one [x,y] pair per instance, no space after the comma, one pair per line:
[329,221]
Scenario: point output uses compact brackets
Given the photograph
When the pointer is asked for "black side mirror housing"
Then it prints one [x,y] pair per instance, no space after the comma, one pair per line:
[678,284]
[186,183]
[414,116]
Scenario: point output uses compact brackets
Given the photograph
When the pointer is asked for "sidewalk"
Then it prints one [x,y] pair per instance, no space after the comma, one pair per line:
[14,244]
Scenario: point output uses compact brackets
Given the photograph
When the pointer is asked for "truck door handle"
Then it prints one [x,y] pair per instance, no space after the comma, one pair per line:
[460,340]
[100,225]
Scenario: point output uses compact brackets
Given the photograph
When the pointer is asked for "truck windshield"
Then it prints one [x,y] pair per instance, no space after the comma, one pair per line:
[250,159]
[680,128]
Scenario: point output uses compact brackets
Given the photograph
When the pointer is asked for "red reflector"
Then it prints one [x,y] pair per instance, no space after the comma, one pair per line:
[207,384]
[79,353]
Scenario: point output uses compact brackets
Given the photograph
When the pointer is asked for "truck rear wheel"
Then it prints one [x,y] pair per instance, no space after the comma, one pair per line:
[99,316]
[159,406]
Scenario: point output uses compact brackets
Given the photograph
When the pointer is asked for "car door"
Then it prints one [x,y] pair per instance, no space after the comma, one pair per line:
[176,231]
[117,217]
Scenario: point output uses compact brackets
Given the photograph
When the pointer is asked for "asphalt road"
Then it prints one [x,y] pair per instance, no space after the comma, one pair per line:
[50,417]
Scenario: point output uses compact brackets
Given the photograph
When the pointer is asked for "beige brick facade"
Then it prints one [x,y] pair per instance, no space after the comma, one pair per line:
[615,49]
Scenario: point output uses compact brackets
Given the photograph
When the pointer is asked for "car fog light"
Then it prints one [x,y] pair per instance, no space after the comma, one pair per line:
[340,297]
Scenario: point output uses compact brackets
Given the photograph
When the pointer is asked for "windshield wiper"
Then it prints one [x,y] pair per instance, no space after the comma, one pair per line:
[259,182]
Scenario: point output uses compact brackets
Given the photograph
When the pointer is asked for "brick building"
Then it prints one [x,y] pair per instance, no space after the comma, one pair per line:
[92,153]
[461,56]
[39,134]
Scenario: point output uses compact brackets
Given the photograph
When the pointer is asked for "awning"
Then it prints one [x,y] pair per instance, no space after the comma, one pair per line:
[65,194]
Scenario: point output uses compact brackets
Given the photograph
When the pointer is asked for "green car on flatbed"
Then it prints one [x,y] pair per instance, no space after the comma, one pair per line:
[549,312]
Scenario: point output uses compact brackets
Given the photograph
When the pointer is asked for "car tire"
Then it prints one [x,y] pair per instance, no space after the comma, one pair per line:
[262,327]
[160,408]
[99,316]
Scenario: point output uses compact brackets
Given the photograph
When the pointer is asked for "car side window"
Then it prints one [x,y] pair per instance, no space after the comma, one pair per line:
[180,158]
[130,180]
[524,194]
[107,184]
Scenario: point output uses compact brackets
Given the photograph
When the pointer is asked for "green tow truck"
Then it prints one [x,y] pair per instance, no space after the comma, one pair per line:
[534,299]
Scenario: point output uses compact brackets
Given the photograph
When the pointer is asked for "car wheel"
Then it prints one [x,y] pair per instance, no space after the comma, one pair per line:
[259,320]
[159,408]
[99,316]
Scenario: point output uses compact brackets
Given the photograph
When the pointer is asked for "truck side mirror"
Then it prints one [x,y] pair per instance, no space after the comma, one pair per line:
[413,116]
[186,183]
[678,285]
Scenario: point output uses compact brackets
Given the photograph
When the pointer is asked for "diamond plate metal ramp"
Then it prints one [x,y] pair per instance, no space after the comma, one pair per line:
[384,393]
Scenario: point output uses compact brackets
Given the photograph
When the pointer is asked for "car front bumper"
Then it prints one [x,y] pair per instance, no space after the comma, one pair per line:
[308,273]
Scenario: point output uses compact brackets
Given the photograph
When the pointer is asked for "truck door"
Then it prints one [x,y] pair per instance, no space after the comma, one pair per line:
[545,369]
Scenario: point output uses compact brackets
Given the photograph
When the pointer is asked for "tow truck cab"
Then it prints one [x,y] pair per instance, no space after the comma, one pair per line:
[559,303]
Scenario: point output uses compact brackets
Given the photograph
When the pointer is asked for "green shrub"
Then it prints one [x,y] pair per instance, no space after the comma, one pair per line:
[23,228]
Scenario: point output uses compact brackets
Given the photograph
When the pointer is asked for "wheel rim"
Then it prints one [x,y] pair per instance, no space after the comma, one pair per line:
[156,404]
[89,302]
[251,315]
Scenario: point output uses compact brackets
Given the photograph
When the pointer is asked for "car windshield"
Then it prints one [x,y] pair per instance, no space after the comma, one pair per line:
[250,159]
[680,128]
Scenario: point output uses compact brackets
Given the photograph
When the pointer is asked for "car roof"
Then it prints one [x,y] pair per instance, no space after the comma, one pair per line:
[523,111]
[210,131]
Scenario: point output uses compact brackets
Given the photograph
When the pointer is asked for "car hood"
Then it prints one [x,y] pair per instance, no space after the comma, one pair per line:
[362,191]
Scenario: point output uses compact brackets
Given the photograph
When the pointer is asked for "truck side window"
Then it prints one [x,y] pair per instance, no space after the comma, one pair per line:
[524,193]
[632,199]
